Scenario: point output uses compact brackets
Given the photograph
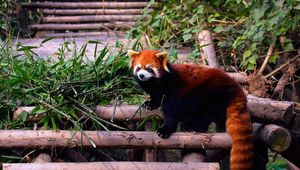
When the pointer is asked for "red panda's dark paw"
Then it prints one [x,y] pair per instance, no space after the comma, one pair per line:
[164,132]
[150,105]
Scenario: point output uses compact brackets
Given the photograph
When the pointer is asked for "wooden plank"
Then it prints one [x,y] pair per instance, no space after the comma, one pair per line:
[88,18]
[93,11]
[88,26]
[115,139]
[85,34]
[112,165]
[77,5]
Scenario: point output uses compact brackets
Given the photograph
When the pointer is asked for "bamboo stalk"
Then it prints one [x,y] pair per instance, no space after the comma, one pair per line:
[81,26]
[266,61]
[116,139]
[93,11]
[77,5]
[112,165]
[94,18]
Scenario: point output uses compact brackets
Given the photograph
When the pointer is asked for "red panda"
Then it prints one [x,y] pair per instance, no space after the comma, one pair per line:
[196,96]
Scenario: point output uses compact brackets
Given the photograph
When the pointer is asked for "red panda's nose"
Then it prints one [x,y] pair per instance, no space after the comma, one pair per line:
[141,76]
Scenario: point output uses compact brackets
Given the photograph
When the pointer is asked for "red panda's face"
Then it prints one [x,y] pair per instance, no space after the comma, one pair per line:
[148,64]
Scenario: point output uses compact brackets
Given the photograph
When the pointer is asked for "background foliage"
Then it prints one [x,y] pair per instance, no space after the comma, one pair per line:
[243,30]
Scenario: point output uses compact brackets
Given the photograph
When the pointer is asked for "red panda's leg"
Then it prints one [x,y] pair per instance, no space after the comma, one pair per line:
[154,102]
[172,113]
[239,127]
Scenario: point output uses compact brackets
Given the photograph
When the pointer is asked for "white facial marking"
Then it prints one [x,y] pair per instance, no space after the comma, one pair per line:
[156,72]
[136,68]
[144,75]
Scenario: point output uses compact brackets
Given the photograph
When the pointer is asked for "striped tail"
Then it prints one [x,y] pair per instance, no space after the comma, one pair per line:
[239,127]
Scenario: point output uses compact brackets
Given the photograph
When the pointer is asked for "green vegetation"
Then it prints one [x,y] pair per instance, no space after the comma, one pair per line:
[67,89]
[63,88]
[243,30]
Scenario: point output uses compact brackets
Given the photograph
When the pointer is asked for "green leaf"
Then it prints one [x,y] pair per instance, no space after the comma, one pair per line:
[273,58]
[219,29]
[246,54]
[187,37]
[46,40]
[26,48]
[251,66]
[24,116]
[253,59]
[288,46]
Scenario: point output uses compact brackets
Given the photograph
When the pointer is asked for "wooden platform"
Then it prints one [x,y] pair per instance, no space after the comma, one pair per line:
[65,18]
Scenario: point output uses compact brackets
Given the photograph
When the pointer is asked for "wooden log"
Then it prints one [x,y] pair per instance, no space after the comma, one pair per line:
[112,165]
[207,48]
[93,11]
[90,26]
[292,153]
[275,137]
[124,112]
[240,77]
[270,111]
[85,34]
[88,18]
[117,139]
[42,158]
[193,157]
[261,109]
[77,5]
[150,155]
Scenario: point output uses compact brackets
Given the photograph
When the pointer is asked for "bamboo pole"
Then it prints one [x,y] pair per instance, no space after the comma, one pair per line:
[81,26]
[116,139]
[78,5]
[112,165]
[92,11]
[88,18]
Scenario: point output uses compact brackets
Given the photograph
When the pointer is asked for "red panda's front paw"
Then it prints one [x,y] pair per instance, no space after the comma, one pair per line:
[150,105]
[164,132]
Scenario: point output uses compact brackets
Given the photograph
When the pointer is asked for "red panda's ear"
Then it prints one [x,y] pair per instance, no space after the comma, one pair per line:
[132,54]
[163,56]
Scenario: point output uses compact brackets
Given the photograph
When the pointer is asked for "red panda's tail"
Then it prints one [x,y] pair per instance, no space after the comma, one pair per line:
[239,127]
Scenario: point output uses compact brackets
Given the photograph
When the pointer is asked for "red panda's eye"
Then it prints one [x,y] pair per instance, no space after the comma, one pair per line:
[149,70]
[138,68]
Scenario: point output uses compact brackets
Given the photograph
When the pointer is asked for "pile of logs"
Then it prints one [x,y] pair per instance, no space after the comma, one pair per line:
[85,18]
[276,128]
[277,138]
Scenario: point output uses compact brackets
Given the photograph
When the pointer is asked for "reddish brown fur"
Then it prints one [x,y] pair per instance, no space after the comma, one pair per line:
[144,59]
[192,79]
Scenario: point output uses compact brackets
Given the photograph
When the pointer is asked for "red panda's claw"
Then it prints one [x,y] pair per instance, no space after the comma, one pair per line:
[149,105]
[164,132]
